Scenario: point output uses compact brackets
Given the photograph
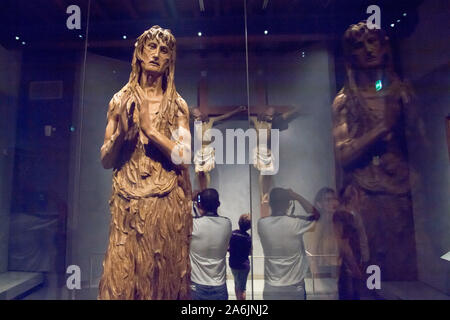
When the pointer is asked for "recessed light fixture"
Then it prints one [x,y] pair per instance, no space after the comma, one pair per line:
[80,36]
[266,32]
[124,37]
[24,43]
[392,25]
[404,14]
[398,20]
[17,38]
[199,34]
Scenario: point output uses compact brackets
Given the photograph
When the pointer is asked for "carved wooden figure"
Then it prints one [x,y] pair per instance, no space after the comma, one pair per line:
[370,146]
[204,159]
[151,221]
[263,159]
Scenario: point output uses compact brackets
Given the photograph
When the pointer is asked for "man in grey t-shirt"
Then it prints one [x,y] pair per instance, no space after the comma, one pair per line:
[285,261]
[209,244]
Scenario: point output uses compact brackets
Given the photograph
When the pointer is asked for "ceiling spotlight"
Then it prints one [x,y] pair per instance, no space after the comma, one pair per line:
[124,37]
[404,14]
[199,34]
[398,20]
[24,43]
[17,38]
[80,36]
[392,25]
[266,32]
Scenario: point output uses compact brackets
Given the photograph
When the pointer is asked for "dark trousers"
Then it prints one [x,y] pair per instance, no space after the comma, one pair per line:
[203,292]
[348,286]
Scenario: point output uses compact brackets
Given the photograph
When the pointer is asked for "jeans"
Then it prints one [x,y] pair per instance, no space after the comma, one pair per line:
[203,292]
[240,278]
[293,292]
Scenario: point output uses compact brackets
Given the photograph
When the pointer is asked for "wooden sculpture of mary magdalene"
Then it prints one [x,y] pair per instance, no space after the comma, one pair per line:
[370,142]
[151,222]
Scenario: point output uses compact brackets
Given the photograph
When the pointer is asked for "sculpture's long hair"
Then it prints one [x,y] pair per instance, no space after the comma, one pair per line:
[354,99]
[168,107]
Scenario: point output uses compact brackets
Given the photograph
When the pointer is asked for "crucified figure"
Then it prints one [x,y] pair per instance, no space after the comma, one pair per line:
[204,158]
[263,159]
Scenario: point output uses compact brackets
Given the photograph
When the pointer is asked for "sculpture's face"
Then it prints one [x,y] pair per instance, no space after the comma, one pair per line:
[155,56]
[198,115]
[269,114]
[368,51]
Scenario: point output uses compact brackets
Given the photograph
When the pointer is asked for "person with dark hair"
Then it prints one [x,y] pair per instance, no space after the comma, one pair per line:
[285,263]
[240,248]
[348,241]
[210,238]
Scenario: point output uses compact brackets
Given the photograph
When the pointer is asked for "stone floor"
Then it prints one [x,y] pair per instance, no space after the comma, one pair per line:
[15,284]
[324,289]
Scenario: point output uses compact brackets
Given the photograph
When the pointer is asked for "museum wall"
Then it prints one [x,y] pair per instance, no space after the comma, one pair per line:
[225,79]
[426,62]
[89,221]
[306,147]
[306,156]
[9,85]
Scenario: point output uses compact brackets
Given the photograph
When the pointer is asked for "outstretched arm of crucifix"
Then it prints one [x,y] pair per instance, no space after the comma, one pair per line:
[290,115]
[229,114]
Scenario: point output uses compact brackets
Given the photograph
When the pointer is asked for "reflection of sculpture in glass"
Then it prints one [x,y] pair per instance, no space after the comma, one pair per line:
[370,147]
[263,159]
[151,223]
[204,158]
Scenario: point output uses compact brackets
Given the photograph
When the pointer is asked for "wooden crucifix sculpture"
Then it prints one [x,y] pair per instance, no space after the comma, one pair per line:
[204,158]
[262,116]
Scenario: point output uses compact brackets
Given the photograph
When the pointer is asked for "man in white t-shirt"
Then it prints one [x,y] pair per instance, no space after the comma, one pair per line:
[285,261]
[209,244]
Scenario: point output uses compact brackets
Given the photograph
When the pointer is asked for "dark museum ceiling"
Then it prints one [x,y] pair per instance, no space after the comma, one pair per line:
[42,23]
